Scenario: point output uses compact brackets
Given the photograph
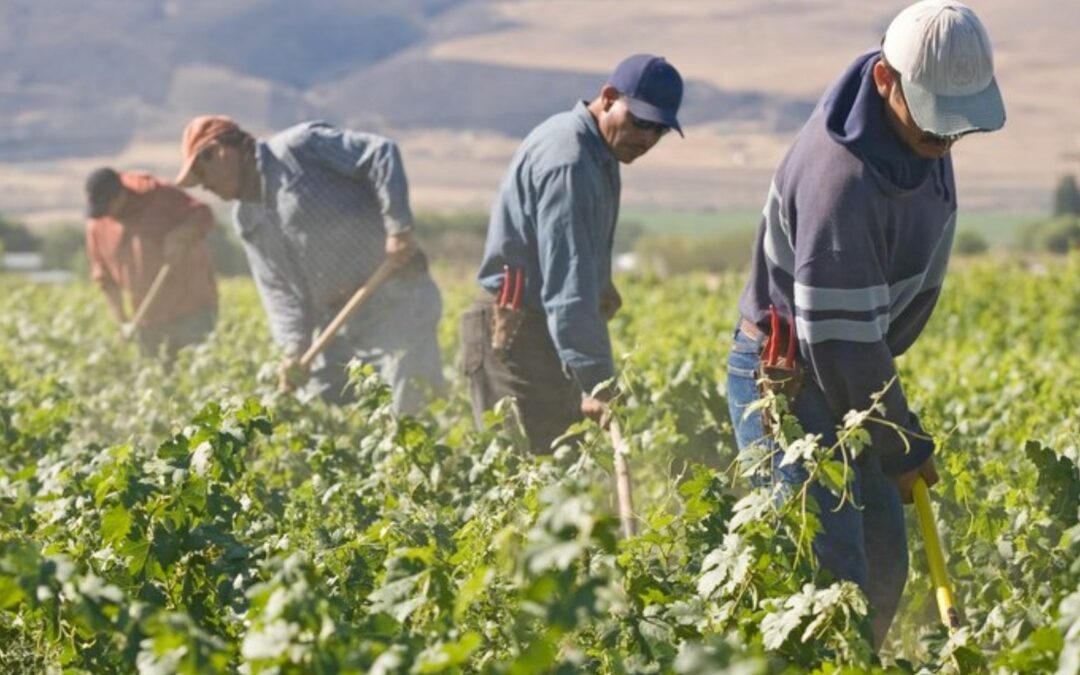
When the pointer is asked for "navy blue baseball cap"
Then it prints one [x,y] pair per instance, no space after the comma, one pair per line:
[652,86]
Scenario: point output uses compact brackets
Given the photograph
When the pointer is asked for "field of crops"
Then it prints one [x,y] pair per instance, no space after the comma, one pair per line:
[197,522]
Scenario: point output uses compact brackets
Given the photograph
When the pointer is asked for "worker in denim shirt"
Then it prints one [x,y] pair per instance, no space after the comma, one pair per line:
[318,210]
[554,220]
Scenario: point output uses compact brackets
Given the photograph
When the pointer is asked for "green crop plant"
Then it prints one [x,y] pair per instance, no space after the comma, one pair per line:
[195,521]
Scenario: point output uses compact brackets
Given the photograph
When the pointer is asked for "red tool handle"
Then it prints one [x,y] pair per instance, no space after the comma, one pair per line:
[504,292]
[774,336]
[519,286]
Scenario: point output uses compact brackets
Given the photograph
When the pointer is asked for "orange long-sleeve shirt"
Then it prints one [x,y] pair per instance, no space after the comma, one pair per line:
[128,251]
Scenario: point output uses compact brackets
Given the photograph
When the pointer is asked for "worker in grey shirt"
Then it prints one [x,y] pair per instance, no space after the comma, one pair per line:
[539,331]
[318,210]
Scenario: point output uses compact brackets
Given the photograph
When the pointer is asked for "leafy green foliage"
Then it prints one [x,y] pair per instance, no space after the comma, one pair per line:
[198,522]
[1059,482]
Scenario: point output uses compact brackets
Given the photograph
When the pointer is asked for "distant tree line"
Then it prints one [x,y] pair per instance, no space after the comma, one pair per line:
[63,246]
[1060,233]
[16,238]
[1067,197]
[457,238]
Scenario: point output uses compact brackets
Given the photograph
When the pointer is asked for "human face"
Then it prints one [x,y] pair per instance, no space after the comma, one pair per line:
[628,136]
[922,143]
[218,167]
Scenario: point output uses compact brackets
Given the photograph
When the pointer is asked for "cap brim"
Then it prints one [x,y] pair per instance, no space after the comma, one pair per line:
[952,115]
[188,176]
[647,111]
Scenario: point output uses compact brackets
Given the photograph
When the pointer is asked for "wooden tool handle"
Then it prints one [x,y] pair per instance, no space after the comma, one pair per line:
[622,480]
[151,295]
[358,298]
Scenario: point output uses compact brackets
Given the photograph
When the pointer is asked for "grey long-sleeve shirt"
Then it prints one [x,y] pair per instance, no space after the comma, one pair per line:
[555,217]
[329,199]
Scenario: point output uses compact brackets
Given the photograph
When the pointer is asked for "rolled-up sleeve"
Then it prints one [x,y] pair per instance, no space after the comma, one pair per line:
[369,158]
[572,278]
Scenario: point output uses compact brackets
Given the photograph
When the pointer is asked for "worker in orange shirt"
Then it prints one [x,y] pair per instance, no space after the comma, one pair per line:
[136,225]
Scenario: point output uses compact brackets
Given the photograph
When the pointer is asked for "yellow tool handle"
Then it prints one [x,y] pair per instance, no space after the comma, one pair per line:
[938,575]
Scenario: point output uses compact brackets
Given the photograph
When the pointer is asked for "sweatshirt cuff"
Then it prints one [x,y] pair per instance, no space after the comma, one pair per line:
[920,448]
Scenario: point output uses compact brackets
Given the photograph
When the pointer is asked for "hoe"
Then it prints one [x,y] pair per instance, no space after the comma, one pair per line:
[938,575]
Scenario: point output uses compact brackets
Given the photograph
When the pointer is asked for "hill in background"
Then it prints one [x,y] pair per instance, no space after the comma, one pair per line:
[459,81]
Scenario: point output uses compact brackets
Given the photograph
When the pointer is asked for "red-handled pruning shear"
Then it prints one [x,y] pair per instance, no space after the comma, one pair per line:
[512,286]
[772,349]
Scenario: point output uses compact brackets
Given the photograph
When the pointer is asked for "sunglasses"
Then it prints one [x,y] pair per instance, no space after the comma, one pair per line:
[646,125]
[939,139]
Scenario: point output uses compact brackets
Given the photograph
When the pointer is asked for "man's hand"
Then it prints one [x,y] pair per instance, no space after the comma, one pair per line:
[178,241]
[906,481]
[596,410]
[291,374]
[400,248]
[610,302]
[595,405]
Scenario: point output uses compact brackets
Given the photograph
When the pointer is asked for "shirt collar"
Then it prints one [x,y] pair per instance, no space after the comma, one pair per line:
[263,158]
[600,146]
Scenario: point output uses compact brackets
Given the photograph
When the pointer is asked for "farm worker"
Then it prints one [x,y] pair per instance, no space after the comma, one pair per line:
[551,232]
[318,209]
[136,224]
[853,248]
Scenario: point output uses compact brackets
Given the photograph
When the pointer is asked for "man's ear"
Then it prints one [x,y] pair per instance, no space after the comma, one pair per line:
[609,95]
[883,78]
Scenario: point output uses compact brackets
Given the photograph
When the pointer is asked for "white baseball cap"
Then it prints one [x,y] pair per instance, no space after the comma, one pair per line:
[946,64]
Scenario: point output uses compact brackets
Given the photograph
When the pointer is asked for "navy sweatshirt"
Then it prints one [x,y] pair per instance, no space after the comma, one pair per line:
[854,243]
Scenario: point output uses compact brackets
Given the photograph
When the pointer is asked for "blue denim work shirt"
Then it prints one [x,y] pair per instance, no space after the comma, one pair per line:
[329,199]
[555,217]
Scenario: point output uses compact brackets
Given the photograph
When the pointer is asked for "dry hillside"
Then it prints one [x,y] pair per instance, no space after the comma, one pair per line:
[458,81]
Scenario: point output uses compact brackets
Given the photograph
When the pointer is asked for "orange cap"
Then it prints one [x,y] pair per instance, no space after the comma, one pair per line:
[197,135]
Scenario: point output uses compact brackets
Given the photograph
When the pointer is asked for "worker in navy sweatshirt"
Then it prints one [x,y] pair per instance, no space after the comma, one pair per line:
[851,252]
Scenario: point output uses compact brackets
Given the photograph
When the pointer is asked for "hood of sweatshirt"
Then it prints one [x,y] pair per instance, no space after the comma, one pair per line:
[855,118]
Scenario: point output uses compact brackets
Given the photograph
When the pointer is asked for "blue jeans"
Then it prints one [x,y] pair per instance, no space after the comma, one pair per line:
[866,545]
